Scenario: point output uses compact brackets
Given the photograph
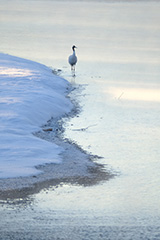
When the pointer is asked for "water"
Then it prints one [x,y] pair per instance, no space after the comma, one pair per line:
[118,68]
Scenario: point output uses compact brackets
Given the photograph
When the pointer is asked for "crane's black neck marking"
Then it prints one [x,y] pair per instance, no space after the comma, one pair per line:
[73,48]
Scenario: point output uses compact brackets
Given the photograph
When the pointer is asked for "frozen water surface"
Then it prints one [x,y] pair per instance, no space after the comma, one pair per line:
[118,67]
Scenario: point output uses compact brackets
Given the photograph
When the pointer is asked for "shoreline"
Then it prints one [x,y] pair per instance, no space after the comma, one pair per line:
[77,167]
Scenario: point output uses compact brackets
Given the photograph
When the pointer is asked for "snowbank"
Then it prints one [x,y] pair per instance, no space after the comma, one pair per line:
[30,94]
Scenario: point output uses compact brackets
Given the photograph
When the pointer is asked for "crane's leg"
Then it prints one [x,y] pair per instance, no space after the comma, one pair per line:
[73,70]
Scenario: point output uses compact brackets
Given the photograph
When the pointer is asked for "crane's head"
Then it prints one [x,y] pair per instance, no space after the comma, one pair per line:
[73,47]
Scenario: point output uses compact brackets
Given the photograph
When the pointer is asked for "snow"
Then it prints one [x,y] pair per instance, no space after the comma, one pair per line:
[30,94]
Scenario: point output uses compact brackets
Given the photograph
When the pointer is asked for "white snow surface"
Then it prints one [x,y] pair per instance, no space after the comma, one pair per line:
[30,94]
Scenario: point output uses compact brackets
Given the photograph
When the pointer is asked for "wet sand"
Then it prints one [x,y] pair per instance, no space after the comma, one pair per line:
[78,166]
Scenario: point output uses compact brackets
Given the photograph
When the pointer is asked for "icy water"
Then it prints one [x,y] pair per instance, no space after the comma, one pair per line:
[119,71]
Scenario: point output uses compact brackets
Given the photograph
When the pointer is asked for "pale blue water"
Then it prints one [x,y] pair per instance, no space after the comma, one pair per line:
[119,69]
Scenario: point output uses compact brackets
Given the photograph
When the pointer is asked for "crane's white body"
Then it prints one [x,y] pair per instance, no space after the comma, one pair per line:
[73,59]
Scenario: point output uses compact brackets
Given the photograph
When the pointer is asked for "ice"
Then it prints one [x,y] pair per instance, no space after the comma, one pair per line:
[30,94]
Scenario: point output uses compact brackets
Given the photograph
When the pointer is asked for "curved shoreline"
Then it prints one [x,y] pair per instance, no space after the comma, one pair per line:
[77,167]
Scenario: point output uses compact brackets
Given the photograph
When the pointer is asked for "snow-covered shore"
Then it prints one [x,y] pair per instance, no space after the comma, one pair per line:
[31,158]
[30,94]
